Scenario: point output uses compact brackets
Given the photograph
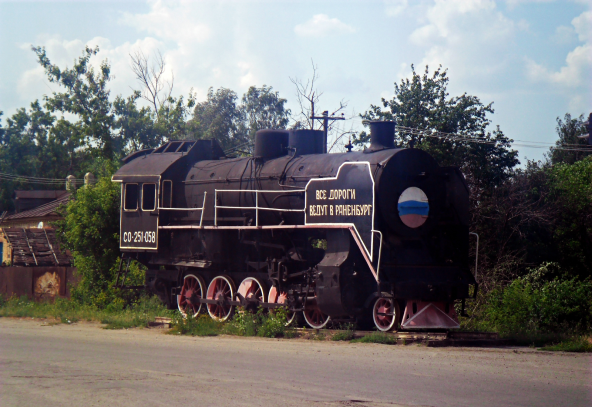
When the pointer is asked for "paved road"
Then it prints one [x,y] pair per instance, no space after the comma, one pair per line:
[83,365]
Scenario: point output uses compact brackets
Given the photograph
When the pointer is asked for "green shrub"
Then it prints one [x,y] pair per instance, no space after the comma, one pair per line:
[527,307]
[346,333]
[262,323]
[577,344]
[377,337]
[203,325]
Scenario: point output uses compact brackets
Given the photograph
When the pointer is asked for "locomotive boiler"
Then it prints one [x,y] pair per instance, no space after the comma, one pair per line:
[378,236]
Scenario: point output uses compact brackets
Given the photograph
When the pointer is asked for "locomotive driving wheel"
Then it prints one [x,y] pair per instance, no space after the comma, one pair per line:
[191,292]
[386,314]
[281,297]
[252,288]
[221,289]
[313,315]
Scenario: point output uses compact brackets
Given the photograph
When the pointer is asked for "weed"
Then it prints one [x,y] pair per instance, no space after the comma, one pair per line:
[577,344]
[203,325]
[377,337]
[346,333]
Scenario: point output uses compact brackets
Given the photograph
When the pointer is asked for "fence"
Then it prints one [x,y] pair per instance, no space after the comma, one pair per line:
[38,283]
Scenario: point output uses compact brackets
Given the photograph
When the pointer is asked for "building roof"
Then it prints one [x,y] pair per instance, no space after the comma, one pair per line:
[48,209]
[36,247]
[44,194]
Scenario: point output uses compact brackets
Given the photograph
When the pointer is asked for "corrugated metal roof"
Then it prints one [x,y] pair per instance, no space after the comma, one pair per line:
[40,211]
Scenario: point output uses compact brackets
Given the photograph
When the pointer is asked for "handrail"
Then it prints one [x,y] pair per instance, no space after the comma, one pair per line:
[379,254]
[256,207]
[476,253]
[203,205]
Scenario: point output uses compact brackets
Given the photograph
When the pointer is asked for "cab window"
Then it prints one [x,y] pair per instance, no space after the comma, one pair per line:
[148,197]
[167,194]
[130,201]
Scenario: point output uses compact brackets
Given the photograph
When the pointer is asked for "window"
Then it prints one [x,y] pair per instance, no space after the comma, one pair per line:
[167,194]
[131,197]
[148,197]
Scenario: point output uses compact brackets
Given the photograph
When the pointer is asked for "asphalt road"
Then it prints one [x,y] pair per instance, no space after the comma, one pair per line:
[83,365]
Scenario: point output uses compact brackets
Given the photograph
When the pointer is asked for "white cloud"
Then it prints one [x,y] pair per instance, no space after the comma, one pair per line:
[168,21]
[575,77]
[578,63]
[395,7]
[471,37]
[564,35]
[320,25]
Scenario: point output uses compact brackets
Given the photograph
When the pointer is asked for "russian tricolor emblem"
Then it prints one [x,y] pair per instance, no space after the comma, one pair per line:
[413,207]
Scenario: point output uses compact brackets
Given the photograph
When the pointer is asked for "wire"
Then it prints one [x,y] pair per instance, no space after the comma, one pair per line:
[519,143]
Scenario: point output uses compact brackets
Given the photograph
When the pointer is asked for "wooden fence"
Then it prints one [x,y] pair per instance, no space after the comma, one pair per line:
[38,283]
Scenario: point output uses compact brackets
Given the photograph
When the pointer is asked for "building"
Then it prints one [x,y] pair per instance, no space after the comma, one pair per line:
[30,221]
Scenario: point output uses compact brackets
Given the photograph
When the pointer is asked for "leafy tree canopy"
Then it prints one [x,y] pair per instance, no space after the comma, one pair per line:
[568,131]
[423,103]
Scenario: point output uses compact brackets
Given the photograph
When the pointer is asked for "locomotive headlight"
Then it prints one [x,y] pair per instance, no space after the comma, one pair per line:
[413,207]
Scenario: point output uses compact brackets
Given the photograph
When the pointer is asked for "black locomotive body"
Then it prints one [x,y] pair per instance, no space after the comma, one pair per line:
[379,235]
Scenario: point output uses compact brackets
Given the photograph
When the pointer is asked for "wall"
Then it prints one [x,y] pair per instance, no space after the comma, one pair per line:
[39,283]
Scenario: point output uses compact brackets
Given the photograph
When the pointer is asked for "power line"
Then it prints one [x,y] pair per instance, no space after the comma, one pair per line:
[519,143]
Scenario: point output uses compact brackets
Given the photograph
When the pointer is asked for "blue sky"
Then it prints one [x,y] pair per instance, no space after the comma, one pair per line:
[533,59]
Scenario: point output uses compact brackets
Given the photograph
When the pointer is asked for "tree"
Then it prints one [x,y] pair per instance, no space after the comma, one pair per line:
[422,107]
[90,230]
[220,118]
[571,194]
[264,109]
[568,131]
[87,97]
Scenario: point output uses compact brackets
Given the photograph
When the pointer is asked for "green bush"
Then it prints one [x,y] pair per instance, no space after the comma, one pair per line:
[203,325]
[377,337]
[577,344]
[532,306]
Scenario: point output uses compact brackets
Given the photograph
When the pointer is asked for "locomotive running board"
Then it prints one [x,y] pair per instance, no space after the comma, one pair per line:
[352,230]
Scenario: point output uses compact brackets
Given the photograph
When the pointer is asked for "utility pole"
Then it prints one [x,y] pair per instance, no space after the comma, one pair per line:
[325,119]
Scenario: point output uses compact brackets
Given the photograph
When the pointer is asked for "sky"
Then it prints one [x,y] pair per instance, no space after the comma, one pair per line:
[531,58]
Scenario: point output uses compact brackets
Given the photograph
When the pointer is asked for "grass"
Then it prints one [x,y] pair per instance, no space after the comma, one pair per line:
[377,337]
[576,344]
[346,333]
[67,311]
[200,326]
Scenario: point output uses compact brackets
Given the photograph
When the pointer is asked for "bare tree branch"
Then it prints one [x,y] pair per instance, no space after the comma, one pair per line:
[156,90]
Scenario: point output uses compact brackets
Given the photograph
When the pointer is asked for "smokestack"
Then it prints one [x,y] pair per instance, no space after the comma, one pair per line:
[382,134]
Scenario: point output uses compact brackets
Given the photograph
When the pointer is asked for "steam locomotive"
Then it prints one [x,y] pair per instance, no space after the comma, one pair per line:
[378,236]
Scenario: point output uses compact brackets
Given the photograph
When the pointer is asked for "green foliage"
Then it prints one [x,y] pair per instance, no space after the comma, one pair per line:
[571,196]
[220,118]
[140,314]
[90,230]
[262,323]
[264,109]
[423,102]
[568,131]
[346,333]
[535,305]
[377,337]
[203,325]
[577,344]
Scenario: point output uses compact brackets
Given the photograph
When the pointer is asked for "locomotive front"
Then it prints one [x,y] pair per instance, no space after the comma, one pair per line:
[378,236]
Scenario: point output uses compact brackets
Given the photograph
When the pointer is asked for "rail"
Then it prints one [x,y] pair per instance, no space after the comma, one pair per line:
[256,207]
[379,253]
[203,205]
